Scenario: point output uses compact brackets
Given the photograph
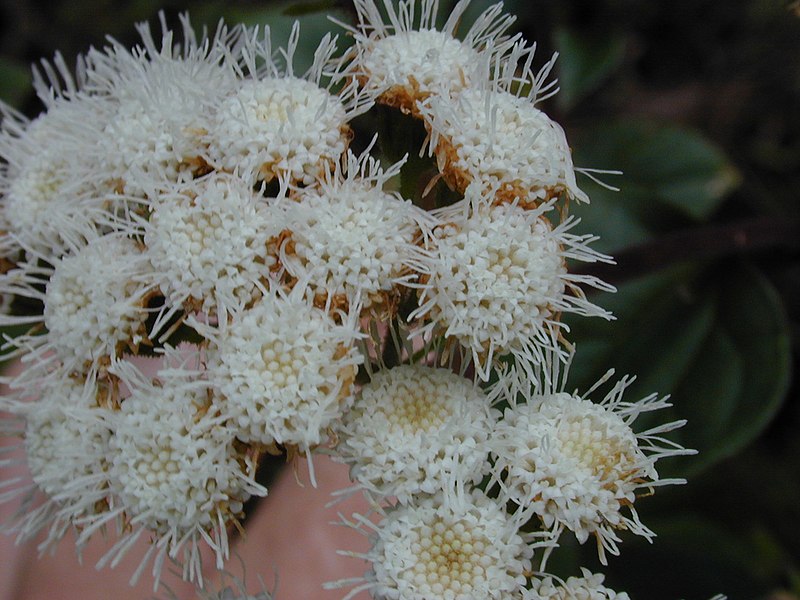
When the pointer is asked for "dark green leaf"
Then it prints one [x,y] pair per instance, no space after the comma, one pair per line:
[692,558]
[661,324]
[669,174]
[717,341]
[300,9]
[739,380]
[15,81]
[584,62]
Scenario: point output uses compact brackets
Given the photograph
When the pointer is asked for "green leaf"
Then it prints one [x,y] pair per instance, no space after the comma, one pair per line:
[741,376]
[299,9]
[660,326]
[15,81]
[584,62]
[692,557]
[716,340]
[669,174]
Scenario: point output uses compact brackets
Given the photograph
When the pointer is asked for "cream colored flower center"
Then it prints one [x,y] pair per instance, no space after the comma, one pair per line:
[418,411]
[594,448]
[450,558]
[282,363]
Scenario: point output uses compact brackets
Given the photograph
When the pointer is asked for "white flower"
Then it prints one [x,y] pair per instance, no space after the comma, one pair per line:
[407,59]
[450,546]
[578,465]
[163,98]
[95,303]
[207,241]
[280,125]
[285,370]
[498,280]
[589,586]
[413,428]
[493,135]
[52,190]
[175,466]
[350,240]
[66,442]
[95,306]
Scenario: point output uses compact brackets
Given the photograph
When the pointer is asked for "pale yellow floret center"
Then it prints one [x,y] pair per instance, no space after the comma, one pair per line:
[203,229]
[594,448]
[157,465]
[283,363]
[450,558]
[418,411]
[273,111]
[33,193]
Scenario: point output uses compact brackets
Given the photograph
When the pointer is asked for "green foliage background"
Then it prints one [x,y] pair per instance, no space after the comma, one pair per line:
[698,103]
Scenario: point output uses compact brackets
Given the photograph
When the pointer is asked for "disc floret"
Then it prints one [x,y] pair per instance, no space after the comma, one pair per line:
[413,428]
[579,465]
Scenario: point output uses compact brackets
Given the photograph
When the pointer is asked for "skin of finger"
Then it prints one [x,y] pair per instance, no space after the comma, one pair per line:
[291,535]
[62,576]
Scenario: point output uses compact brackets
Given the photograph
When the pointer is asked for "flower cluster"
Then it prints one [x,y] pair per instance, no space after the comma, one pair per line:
[206,272]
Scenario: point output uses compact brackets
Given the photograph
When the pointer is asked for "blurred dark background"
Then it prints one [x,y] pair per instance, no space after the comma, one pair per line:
[698,103]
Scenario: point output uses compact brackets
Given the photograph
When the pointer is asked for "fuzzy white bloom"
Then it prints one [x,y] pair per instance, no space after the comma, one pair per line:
[137,204]
[94,306]
[498,280]
[66,438]
[208,240]
[589,586]
[351,240]
[175,467]
[52,191]
[407,59]
[66,441]
[578,465]
[449,546]
[163,97]
[95,303]
[493,135]
[285,370]
[276,124]
[414,428]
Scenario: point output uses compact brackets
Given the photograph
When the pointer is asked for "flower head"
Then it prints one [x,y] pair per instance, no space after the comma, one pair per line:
[94,306]
[279,125]
[407,59]
[352,241]
[163,95]
[498,280]
[493,134]
[449,546]
[413,428]
[285,370]
[95,302]
[53,192]
[578,465]
[67,431]
[176,468]
[208,240]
